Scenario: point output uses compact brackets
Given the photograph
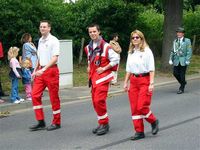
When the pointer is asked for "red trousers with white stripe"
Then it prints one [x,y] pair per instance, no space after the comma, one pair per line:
[99,96]
[140,100]
[49,79]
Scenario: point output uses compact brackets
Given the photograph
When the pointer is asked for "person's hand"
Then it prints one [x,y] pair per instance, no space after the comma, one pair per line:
[125,87]
[170,62]
[151,87]
[100,70]
[33,75]
[88,69]
[187,62]
[19,77]
[39,72]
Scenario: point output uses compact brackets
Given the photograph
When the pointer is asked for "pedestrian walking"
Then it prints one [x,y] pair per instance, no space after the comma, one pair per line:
[180,57]
[102,60]
[117,48]
[46,74]
[140,70]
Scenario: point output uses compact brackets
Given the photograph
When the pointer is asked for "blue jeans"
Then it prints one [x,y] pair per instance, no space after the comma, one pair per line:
[14,89]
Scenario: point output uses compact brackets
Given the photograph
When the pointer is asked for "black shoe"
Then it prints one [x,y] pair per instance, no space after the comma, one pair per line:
[155,127]
[103,129]
[40,126]
[180,92]
[95,130]
[53,127]
[137,136]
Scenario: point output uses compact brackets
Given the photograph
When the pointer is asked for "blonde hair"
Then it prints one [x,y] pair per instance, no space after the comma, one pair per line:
[142,45]
[26,63]
[13,52]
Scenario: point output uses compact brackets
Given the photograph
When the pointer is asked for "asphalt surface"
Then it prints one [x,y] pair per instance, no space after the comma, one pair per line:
[179,117]
[80,93]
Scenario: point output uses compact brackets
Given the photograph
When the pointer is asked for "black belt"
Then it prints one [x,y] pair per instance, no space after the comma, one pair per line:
[141,74]
[55,65]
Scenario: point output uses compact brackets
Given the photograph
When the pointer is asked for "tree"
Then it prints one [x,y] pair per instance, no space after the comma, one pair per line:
[173,16]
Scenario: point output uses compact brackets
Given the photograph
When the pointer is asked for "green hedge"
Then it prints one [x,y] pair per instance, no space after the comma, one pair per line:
[69,21]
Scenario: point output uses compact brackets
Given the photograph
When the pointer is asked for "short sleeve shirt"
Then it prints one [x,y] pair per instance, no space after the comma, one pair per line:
[47,48]
[140,62]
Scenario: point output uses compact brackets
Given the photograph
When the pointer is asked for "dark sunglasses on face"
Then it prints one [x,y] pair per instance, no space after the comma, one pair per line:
[135,37]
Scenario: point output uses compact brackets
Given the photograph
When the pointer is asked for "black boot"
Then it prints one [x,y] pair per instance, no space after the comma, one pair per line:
[155,127]
[95,129]
[103,129]
[137,136]
[40,126]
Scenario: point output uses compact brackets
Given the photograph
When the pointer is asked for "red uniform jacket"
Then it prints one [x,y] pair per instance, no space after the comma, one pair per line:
[1,50]
[98,57]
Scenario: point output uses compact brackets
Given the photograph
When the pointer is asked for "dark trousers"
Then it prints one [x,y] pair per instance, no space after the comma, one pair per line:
[179,73]
[1,90]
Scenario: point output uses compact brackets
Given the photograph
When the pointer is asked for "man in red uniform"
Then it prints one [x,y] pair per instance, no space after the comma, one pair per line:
[46,75]
[102,60]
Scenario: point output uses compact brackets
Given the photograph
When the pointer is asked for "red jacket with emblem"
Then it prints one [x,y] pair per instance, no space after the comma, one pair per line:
[98,57]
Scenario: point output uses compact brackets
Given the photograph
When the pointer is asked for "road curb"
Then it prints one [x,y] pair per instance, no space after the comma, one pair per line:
[10,107]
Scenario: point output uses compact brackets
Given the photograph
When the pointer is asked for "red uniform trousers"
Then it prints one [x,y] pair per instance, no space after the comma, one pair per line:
[140,100]
[99,96]
[49,79]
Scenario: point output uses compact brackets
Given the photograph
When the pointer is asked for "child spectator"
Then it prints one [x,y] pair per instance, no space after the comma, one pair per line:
[26,77]
[15,74]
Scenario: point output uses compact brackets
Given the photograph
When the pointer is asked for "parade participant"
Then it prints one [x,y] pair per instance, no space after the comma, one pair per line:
[140,70]
[101,61]
[46,74]
[117,48]
[180,57]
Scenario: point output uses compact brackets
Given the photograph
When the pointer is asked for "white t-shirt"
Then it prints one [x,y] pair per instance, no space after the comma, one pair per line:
[140,62]
[47,48]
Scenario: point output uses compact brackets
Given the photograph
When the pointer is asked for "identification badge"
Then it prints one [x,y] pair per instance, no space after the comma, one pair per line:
[97,62]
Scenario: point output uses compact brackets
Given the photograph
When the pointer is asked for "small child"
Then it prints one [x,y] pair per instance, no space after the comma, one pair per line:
[15,74]
[26,77]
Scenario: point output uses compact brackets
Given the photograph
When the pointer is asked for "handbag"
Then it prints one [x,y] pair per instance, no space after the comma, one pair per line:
[12,74]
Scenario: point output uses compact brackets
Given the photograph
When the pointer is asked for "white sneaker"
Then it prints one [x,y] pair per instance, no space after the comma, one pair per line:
[21,100]
[29,99]
[16,102]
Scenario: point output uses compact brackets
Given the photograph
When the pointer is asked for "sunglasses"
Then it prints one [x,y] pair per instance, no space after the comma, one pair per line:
[135,37]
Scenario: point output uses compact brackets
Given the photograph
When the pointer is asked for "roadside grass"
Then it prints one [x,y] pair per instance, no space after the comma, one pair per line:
[80,76]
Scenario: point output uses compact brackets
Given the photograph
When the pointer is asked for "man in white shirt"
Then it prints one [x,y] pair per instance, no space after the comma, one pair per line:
[46,74]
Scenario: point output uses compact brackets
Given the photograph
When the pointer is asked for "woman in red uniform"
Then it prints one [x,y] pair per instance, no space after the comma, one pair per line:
[140,71]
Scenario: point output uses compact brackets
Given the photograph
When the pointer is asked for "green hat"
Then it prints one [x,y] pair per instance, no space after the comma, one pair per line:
[180,29]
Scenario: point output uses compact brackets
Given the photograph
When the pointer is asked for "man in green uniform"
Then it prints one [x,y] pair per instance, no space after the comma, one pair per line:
[180,57]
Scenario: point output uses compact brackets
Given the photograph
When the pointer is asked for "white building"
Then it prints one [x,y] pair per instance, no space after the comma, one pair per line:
[68,1]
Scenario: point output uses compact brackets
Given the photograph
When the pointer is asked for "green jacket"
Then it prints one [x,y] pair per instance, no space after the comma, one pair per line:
[181,54]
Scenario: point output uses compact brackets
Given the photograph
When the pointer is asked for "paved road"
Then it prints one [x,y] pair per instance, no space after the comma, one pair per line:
[179,117]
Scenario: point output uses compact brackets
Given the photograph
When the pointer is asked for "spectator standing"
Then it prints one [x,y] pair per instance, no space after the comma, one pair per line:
[1,90]
[101,60]
[15,74]
[46,74]
[180,57]
[29,49]
[117,48]
[140,70]
[26,77]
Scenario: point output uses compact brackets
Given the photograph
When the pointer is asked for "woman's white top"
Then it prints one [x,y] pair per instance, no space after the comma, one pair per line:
[140,62]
